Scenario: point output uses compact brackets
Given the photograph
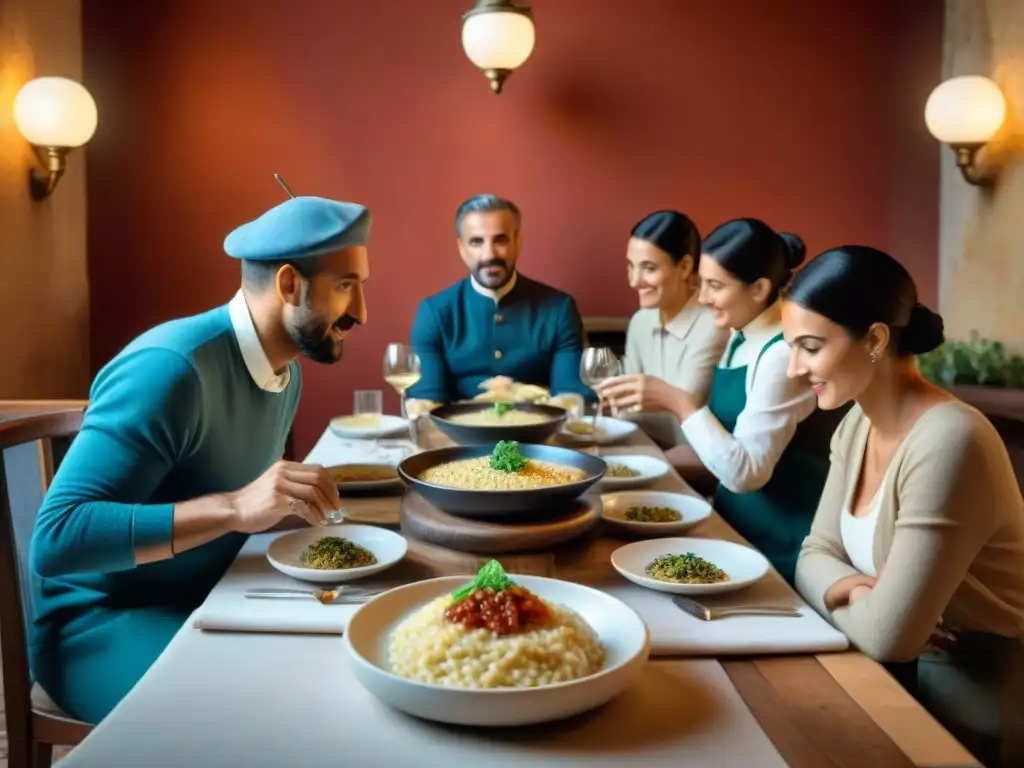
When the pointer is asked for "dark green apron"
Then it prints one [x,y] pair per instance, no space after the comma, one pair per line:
[775,518]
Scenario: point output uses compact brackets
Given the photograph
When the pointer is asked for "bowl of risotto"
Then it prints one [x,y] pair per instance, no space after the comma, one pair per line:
[485,423]
[497,650]
[505,480]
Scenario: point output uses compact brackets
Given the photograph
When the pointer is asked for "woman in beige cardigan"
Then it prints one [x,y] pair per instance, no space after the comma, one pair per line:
[917,547]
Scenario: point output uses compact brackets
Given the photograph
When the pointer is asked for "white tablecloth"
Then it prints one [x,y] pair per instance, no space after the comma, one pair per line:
[277,701]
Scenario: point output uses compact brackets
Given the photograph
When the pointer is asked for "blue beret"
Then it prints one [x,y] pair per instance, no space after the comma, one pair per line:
[299,228]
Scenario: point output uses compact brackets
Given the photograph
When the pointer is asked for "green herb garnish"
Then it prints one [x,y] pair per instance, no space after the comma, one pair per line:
[686,569]
[501,408]
[507,458]
[490,576]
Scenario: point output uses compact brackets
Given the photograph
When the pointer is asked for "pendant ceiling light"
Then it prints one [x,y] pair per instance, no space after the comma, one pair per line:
[498,36]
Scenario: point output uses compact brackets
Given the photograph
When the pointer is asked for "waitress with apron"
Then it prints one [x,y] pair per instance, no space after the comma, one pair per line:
[756,434]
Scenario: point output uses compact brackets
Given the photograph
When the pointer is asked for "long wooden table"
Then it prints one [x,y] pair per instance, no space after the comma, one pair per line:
[828,710]
[840,709]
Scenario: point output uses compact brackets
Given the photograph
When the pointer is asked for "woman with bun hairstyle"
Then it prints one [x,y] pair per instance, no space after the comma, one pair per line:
[672,344]
[917,548]
[769,482]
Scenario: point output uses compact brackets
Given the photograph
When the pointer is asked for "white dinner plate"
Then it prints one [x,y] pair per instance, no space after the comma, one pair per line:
[650,469]
[620,629]
[743,564]
[285,552]
[609,430]
[692,509]
[367,426]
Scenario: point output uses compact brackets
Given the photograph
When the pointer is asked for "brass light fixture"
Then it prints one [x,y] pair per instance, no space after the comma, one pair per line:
[55,115]
[498,37]
[965,112]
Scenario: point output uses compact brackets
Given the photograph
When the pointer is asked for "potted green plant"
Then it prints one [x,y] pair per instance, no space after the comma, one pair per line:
[978,371]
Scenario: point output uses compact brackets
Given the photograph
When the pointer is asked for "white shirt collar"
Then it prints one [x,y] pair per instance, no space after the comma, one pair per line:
[680,325]
[255,358]
[499,294]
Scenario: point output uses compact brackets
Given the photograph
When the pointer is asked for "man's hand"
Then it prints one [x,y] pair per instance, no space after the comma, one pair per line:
[287,488]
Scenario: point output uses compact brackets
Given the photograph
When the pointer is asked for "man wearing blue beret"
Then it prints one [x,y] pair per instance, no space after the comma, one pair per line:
[496,322]
[179,456]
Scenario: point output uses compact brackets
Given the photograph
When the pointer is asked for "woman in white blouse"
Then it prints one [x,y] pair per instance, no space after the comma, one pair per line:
[672,344]
[753,434]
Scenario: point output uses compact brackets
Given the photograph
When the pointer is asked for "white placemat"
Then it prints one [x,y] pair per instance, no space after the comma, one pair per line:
[331,450]
[227,608]
[266,701]
[676,633]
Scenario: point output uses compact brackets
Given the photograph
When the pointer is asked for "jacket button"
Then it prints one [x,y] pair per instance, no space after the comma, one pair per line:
[497,354]
[497,318]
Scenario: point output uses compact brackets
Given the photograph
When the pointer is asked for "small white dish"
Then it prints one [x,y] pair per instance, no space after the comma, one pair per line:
[285,552]
[619,628]
[339,470]
[650,469]
[609,430]
[693,510]
[368,426]
[743,564]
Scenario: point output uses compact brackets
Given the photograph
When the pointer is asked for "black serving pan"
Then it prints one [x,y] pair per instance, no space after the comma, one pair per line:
[531,504]
[468,434]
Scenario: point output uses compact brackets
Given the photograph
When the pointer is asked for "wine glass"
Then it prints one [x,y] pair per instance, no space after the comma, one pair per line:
[401,371]
[596,365]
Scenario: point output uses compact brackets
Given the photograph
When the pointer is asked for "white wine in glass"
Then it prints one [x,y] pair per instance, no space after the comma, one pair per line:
[401,369]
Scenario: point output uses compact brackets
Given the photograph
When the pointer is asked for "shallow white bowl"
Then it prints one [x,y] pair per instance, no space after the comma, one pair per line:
[351,426]
[650,469]
[609,430]
[694,510]
[285,552]
[367,485]
[743,564]
[623,632]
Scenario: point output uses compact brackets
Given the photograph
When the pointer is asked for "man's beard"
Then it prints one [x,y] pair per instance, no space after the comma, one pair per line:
[312,336]
[491,282]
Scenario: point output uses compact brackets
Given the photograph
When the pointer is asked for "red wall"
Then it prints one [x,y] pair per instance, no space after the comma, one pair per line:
[802,112]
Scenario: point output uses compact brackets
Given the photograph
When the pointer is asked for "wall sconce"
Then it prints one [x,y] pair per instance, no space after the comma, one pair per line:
[498,36]
[55,115]
[965,112]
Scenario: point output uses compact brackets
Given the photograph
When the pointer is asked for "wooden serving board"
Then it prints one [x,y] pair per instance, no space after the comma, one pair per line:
[423,521]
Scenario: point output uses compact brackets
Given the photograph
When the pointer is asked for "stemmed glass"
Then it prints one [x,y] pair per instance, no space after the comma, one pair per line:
[401,371]
[596,365]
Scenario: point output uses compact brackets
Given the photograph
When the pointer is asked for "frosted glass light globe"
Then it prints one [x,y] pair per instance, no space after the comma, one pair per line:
[55,112]
[965,110]
[498,39]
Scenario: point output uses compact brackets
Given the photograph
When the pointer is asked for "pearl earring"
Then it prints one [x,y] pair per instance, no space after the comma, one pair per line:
[874,356]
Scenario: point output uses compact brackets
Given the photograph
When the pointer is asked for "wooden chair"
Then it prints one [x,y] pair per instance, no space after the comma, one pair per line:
[31,448]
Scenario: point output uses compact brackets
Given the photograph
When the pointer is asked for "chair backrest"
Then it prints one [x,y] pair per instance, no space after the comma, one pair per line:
[31,448]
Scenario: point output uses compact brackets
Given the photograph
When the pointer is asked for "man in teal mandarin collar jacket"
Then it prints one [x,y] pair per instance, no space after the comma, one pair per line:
[496,322]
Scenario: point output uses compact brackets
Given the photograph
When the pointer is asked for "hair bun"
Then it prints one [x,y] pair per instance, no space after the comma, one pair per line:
[924,331]
[796,251]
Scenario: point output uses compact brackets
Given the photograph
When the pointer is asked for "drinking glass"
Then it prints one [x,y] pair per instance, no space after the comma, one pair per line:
[596,365]
[371,403]
[401,371]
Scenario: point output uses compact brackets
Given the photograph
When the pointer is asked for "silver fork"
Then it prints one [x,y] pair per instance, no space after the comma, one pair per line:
[705,613]
[336,596]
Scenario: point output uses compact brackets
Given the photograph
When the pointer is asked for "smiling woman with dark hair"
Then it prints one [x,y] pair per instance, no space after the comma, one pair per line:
[672,344]
[917,547]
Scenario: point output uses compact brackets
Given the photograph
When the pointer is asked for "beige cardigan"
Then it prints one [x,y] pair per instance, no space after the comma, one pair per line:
[949,543]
